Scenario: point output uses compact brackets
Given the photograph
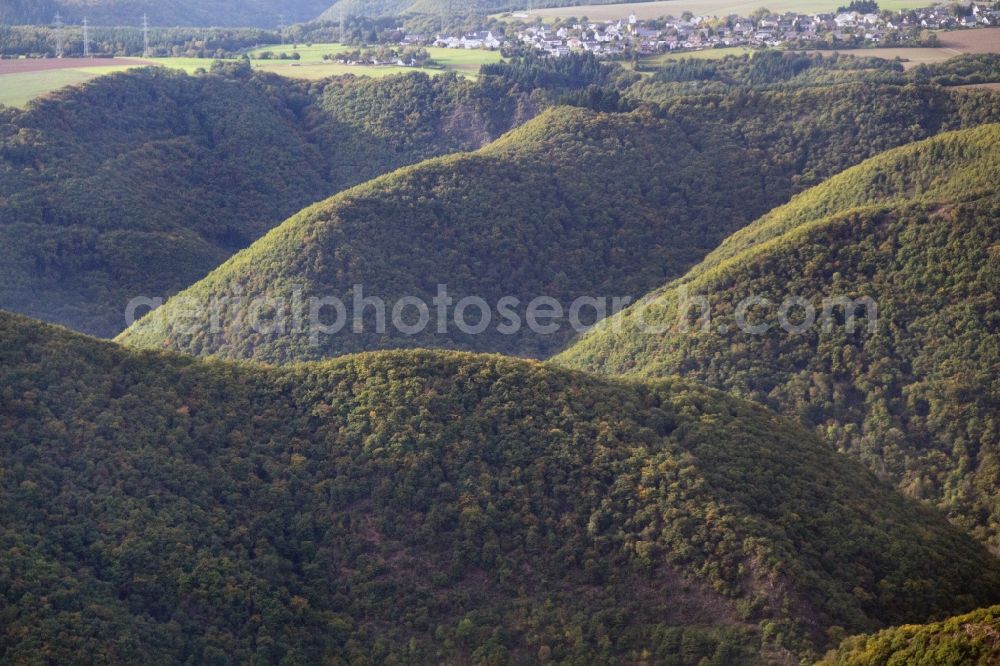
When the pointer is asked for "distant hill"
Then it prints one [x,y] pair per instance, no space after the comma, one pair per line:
[434,507]
[141,183]
[370,8]
[972,639]
[573,204]
[918,401]
[258,13]
[375,8]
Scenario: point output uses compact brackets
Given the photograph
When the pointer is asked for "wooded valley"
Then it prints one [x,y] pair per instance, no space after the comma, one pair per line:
[784,450]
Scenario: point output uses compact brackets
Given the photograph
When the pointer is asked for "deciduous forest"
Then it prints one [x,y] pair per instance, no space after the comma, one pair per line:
[784,450]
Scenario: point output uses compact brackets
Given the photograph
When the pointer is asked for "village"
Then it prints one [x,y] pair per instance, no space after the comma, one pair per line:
[859,25]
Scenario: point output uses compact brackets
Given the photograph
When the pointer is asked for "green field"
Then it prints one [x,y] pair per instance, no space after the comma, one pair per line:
[17,89]
[661,59]
[312,65]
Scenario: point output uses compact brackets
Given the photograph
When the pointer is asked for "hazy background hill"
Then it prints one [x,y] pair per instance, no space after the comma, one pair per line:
[914,229]
[375,8]
[429,506]
[258,13]
[575,203]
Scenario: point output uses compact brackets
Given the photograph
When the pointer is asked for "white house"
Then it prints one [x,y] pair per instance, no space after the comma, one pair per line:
[480,40]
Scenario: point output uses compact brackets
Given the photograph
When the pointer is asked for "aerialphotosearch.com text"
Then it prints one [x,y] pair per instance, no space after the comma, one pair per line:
[442,314]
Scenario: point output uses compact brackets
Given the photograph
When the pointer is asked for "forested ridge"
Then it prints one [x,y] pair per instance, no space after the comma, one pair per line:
[574,203]
[972,639]
[914,230]
[140,183]
[118,41]
[258,13]
[438,8]
[434,506]
[701,496]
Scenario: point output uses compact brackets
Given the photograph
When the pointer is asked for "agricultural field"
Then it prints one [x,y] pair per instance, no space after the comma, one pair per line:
[23,80]
[980,40]
[312,65]
[911,56]
[661,59]
[651,10]
[953,43]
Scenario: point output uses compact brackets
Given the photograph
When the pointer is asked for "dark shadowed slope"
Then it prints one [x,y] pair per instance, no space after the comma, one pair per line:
[915,230]
[434,507]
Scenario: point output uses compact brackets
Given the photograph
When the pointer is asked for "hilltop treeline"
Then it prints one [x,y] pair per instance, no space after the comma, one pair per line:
[769,69]
[573,71]
[913,230]
[128,41]
[433,507]
[964,70]
[767,66]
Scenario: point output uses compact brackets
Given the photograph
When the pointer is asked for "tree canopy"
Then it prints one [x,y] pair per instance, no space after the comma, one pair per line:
[434,506]
[914,231]
[572,204]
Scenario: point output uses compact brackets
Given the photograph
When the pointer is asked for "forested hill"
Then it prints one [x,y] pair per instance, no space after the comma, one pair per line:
[375,8]
[917,400]
[259,13]
[573,204]
[434,507]
[972,639]
[141,183]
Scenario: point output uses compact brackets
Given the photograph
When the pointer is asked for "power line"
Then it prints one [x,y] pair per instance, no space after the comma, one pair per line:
[145,36]
[281,28]
[86,38]
[58,23]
